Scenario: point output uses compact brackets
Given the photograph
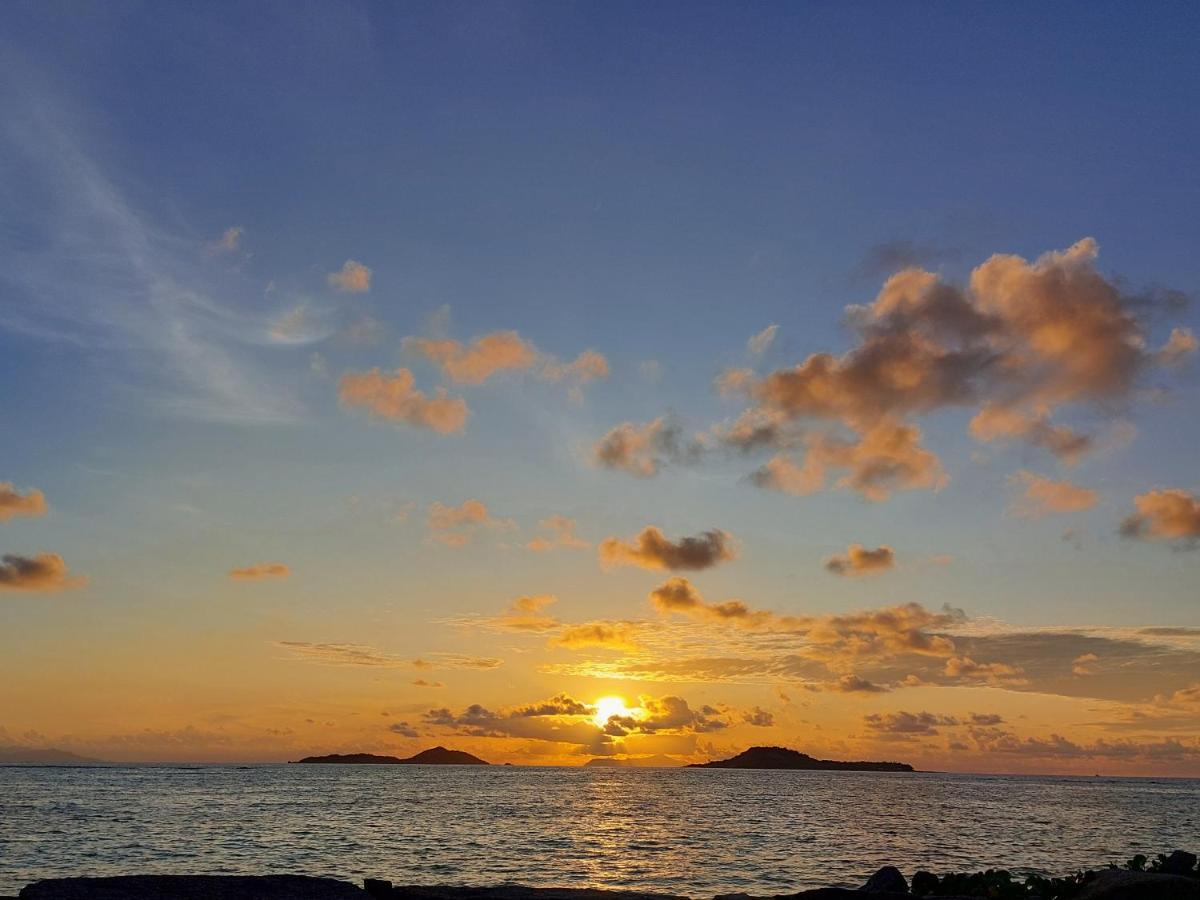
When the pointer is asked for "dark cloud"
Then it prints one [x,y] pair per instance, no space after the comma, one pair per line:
[642,450]
[653,550]
[403,728]
[44,573]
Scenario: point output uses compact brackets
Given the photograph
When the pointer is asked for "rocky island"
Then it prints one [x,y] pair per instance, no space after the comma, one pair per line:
[783,758]
[434,756]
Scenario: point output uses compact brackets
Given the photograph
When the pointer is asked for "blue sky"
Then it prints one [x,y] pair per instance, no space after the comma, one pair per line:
[656,183]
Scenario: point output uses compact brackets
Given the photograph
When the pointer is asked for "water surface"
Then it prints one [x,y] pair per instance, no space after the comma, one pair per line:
[687,831]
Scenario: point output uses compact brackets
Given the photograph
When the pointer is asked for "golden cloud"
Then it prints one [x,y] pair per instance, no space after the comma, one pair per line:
[13,503]
[1042,496]
[858,560]
[653,550]
[395,397]
[1166,515]
[600,635]
[457,525]
[560,533]
[352,278]
[260,572]
[44,573]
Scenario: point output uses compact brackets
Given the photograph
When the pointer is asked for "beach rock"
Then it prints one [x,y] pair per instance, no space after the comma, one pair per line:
[888,879]
[924,883]
[1119,884]
[193,887]
[1179,862]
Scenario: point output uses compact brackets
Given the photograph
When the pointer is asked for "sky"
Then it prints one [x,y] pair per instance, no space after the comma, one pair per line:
[574,380]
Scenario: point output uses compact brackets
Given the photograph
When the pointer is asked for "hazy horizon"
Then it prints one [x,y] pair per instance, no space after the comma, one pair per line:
[553,382]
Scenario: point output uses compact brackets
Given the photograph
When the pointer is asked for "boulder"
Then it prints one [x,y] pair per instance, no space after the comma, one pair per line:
[193,887]
[886,880]
[377,888]
[924,883]
[1179,862]
[1119,884]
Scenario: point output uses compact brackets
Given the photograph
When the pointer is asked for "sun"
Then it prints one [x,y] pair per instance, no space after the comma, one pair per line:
[607,707]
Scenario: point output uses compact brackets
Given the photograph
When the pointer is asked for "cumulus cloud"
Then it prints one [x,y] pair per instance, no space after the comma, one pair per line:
[13,503]
[651,549]
[599,635]
[967,669]
[403,729]
[758,717]
[1165,515]
[559,532]
[44,573]
[922,724]
[506,351]
[260,572]
[1179,346]
[642,450]
[852,684]
[761,342]
[858,560]
[1021,343]
[352,278]
[456,526]
[1042,496]
[395,397]
[1085,664]
[887,457]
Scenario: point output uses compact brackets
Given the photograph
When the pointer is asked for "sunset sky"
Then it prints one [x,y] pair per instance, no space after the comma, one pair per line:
[379,376]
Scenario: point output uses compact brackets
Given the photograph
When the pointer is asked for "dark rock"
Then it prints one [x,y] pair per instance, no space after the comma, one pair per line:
[1179,862]
[1119,884]
[377,888]
[924,883]
[192,887]
[887,879]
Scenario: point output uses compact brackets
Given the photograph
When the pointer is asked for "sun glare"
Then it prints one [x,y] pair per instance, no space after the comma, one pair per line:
[607,707]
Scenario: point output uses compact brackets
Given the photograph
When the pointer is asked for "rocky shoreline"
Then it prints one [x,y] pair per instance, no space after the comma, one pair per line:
[1171,876]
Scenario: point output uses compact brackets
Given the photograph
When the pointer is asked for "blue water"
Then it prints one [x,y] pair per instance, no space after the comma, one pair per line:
[688,831]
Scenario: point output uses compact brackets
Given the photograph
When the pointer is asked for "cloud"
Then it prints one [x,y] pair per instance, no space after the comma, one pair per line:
[456,526]
[363,656]
[967,669]
[1165,515]
[228,242]
[525,614]
[1055,746]
[1179,346]
[923,724]
[652,550]
[395,398]
[852,684]
[601,635]
[1020,343]
[421,682]
[560,533]
[642,450]
[403,729]
[1085,664]
[352,278]
[260,572]
[44,573]
[887,457]
[858,560]
[13,503]
[888,257]
[1042,496]
[761,342]
[503,351]
[887,631]
[758,717]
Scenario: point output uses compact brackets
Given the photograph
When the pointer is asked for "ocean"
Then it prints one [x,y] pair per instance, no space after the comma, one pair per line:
[687,831]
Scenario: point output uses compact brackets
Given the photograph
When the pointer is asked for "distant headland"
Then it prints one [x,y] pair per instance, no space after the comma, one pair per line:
[783,758]
[434,756]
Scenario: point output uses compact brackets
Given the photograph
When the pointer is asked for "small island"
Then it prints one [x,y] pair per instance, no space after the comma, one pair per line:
[435,756]
[783,758]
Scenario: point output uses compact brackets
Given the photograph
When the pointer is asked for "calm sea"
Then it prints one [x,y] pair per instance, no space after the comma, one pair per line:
[697,832]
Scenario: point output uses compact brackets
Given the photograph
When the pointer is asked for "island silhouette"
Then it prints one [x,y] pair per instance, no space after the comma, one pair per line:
[784,758]
[434,756]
